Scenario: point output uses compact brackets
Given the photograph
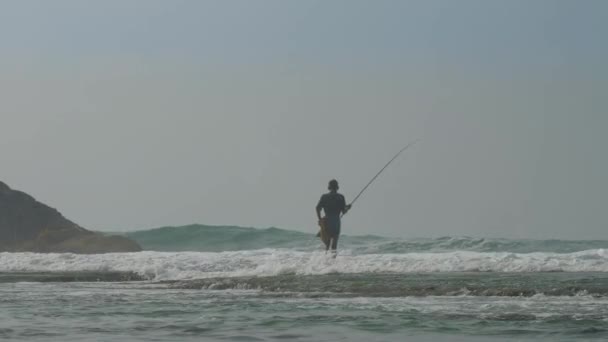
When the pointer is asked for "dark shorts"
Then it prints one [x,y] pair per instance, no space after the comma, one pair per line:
[332,225]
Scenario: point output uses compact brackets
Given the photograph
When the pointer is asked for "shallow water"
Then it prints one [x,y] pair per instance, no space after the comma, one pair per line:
[162,311]
[378,289]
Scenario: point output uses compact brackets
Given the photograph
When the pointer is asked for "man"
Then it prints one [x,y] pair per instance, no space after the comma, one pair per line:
[334,205]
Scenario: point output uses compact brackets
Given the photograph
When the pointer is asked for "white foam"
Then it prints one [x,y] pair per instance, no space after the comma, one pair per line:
[189,265]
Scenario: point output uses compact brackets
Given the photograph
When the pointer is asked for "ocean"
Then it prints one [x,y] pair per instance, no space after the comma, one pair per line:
[200,283]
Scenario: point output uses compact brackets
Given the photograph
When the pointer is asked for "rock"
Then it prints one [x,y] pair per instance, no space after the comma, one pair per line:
[28,225]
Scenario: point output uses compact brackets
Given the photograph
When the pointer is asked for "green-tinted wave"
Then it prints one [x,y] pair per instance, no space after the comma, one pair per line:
[218,238]
[203,238]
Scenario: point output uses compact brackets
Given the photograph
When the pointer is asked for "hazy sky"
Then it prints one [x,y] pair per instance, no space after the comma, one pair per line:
[137,114]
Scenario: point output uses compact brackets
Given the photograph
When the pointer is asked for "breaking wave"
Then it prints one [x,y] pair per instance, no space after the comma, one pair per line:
[272,262]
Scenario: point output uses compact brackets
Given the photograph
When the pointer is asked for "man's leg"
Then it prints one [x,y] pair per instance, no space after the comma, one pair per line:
[329,243]
[334,245]
[332,226]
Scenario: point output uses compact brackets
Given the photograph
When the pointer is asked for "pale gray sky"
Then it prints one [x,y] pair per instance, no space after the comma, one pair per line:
[137,114]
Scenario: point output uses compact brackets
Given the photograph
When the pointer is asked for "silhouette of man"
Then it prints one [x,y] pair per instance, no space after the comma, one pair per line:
[333,205]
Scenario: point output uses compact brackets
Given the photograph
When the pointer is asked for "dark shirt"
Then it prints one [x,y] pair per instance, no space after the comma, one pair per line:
[332,203]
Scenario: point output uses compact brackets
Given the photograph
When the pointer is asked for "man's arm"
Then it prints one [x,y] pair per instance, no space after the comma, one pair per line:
[345,207]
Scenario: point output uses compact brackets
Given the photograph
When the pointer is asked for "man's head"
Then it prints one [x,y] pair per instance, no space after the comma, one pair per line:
[333,185]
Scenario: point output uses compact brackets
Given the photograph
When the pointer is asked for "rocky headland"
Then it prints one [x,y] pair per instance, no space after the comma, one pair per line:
[27,225]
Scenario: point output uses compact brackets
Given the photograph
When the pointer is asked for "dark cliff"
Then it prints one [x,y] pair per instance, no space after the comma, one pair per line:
[28,225]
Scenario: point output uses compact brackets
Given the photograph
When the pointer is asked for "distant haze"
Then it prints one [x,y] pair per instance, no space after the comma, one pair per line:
[129,114]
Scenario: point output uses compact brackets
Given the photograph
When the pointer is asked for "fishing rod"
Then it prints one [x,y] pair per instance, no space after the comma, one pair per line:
[376,176]
[382,169]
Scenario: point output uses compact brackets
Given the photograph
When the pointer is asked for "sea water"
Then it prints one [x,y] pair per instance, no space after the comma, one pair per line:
[377,289]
